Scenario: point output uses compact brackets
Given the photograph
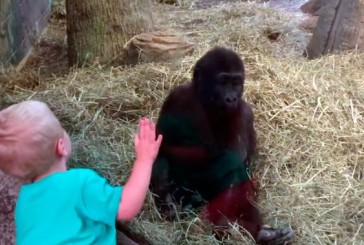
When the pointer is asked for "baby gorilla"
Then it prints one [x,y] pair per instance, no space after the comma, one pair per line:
[209,140]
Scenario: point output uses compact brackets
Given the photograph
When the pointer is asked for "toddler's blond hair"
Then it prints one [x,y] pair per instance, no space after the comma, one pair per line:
[28,135]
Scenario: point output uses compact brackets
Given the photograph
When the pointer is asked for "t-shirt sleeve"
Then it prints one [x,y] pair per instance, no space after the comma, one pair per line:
[99,200]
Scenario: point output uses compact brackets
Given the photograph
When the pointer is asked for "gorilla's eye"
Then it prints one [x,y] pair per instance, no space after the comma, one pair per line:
[234,79]
[222,82]
[236,82]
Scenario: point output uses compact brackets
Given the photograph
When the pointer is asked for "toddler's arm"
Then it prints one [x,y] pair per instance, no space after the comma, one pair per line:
[135,190]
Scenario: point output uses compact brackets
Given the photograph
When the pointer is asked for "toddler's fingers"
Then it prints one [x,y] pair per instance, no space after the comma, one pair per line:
[136,140]
[152,132]
[159,140]
[143,128]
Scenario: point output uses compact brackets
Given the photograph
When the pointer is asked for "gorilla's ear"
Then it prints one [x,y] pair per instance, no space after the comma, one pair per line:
[197,76]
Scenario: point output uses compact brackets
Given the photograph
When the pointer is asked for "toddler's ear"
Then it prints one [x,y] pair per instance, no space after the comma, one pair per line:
[61,150]
[63,146]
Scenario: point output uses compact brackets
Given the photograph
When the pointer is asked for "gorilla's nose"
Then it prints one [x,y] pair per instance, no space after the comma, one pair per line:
[231,100]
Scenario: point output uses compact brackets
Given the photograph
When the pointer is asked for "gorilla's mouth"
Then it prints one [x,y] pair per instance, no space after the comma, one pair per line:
[231,106]
[223,105]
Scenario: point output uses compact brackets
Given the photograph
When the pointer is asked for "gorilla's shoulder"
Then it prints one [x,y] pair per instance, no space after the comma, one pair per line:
[181,97]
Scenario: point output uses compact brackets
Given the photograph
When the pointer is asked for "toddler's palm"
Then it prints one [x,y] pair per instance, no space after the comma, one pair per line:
[146,144]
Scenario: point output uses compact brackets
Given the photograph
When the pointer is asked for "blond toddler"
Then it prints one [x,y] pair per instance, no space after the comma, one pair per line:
[60,206]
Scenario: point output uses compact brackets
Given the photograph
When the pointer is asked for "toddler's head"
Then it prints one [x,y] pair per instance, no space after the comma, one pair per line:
[32,140]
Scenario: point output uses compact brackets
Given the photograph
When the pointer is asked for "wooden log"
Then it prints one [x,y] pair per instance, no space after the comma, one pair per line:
[340,27]
[97,30]
[309,24]
[156,46]
[312,6]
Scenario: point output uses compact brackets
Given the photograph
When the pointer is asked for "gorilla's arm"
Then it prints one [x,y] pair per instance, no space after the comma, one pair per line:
[187,153]
[182,140]
[248,119]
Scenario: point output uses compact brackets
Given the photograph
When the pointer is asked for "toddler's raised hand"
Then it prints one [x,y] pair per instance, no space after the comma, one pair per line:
[135,190]
[145,143]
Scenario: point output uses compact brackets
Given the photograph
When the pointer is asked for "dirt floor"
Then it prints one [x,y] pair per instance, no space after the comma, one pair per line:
[9,188]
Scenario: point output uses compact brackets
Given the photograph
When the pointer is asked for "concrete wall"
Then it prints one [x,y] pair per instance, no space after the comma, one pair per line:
[21,23]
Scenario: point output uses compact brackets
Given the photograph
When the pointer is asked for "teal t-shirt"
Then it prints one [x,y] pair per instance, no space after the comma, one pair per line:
[73,207]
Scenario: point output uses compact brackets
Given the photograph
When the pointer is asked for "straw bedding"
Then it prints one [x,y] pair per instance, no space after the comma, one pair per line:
[309,120]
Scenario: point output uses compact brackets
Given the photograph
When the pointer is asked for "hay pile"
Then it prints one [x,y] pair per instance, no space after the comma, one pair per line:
[309,119]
